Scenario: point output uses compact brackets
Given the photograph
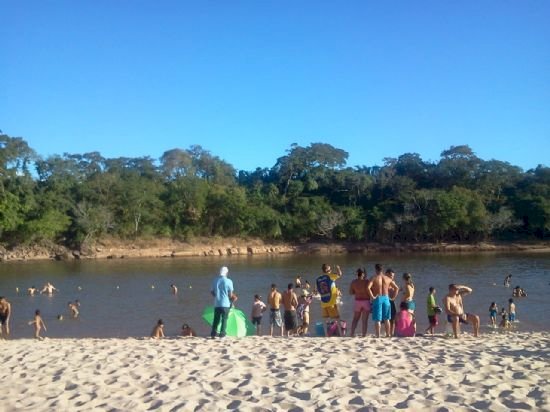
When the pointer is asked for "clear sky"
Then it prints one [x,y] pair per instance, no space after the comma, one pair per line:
[246,79]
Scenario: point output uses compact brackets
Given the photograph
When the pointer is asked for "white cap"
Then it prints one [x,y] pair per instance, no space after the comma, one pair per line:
[224,271]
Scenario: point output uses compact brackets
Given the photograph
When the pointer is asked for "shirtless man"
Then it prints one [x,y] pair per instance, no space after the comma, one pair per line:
[290,302]
[379,294]
[455,309]
[274,300]
[32,290]
[5,314]
[49,288]
[359,288]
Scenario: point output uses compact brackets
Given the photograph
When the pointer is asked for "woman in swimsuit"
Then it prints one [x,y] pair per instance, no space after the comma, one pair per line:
[408,292]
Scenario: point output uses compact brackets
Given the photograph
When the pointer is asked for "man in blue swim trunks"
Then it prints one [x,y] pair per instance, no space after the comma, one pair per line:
[379,293]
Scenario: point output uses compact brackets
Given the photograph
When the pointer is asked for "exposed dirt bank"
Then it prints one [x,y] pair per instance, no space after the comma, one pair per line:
[157,248]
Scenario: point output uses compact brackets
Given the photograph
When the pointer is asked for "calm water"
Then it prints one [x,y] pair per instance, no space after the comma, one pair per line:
[121,298]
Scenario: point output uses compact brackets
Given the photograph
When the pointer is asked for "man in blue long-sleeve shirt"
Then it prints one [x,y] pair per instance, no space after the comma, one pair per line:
[222,290]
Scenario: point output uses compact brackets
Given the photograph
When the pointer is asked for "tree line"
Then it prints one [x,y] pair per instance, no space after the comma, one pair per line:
[309,194]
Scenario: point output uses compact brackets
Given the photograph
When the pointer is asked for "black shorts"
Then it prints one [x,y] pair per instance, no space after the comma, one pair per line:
[291,321]
[256,320]
[3,319]
[393,310]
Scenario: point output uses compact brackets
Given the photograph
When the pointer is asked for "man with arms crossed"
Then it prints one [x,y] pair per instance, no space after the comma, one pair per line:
[455,309]
[379,294]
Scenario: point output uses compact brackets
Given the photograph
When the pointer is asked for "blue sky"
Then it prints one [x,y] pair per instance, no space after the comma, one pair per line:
[246,79]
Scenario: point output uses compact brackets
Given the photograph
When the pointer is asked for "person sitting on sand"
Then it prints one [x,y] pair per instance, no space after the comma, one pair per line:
[49,289]
[405,323]
[73,307]
[158,330]
[38,323]
[5,315]
[186,330]
[258,309]
[454,308]
[505,323]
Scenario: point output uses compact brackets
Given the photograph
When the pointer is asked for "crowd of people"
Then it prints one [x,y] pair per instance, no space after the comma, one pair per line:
[374,297]
[289,310]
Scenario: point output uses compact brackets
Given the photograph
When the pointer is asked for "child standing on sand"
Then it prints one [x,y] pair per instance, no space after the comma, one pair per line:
[258,309]
[38,323]
[493,310]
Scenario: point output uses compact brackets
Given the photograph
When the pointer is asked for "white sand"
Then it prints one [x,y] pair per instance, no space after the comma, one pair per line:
[494,372]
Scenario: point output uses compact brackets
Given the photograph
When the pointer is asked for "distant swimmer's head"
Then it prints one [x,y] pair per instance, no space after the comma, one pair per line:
[224,271]
[360,272]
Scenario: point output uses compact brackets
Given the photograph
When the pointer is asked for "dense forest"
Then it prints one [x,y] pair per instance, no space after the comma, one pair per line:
[309,194]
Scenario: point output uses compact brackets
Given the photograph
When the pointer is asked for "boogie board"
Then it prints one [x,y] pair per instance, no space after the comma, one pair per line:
[324,287]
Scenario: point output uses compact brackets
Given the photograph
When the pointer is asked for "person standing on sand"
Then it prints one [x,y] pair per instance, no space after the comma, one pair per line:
[222,290]
[378,288]
[38,323]
[258,309]
[408,292]
[290,302]
[360,289]
[5,315]
[274,300]
[431,305]
[326,286]
[393,292]
[454,308]
[303,311]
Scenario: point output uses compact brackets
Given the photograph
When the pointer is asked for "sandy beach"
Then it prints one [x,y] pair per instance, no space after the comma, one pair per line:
[495,372]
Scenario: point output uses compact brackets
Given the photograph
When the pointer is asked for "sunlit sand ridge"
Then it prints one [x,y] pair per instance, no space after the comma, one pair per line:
[495,372]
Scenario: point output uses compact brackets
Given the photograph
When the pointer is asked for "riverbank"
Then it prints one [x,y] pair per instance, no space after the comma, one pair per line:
[165,248]
[494,372]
